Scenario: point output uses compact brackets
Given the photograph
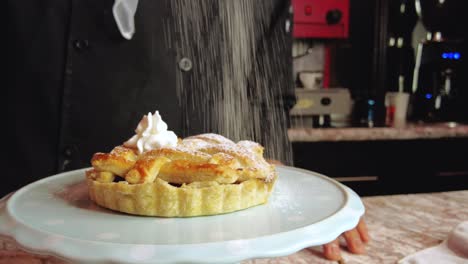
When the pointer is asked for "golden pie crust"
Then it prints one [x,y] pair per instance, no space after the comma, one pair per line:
[203,175]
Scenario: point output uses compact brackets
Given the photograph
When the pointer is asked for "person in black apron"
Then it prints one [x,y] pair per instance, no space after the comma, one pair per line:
[82,73]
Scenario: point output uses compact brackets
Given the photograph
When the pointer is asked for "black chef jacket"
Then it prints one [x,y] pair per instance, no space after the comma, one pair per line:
[75,86]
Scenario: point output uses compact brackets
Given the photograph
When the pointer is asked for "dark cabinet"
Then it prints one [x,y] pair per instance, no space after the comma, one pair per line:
[389,166]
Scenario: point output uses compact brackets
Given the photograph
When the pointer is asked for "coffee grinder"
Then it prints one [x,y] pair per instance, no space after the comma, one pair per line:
[439,90]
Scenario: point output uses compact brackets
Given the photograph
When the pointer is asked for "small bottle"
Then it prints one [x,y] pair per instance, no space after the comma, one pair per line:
[370,112]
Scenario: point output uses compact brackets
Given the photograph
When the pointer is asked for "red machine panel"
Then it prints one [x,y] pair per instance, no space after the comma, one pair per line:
[321,18]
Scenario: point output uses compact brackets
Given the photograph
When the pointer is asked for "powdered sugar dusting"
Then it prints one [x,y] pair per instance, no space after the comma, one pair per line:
[194,143]
[188,151]
[213,138]
[247,153]
[251,146]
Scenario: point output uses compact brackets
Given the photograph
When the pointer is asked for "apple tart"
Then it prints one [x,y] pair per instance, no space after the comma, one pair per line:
[205,174]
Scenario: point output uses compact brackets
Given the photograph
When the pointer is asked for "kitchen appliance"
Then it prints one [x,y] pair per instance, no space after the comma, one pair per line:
[311,80]
[400,55]
[321,18]
[330,107]
[439,80]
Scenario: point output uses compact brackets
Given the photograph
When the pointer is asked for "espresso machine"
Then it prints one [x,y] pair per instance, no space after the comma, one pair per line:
[402,19]
[439,89]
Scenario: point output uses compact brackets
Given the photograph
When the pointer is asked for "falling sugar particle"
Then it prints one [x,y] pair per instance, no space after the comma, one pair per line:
[236,100]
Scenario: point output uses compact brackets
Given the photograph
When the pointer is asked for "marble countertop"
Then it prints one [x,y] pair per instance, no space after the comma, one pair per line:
[399,225]
[411,131]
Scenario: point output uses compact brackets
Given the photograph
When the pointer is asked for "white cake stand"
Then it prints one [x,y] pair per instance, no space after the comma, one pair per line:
[54,216]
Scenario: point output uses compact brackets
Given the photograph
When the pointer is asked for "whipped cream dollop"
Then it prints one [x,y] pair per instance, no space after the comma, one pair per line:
[152,133]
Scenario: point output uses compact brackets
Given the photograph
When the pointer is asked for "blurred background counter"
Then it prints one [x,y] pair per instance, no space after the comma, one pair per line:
[409,132]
